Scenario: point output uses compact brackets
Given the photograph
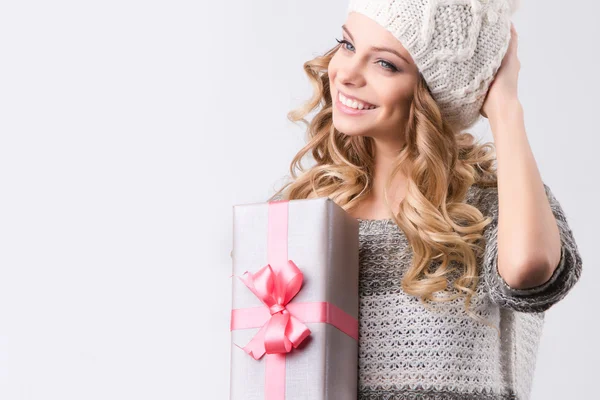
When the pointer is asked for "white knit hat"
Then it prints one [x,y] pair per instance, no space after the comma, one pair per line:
[457,45]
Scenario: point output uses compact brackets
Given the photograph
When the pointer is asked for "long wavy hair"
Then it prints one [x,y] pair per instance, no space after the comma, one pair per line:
[440,165]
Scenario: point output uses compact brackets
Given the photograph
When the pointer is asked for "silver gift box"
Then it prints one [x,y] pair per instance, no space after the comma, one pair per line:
[323,243]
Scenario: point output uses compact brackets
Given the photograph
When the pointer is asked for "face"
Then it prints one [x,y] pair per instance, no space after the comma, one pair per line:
[383,81]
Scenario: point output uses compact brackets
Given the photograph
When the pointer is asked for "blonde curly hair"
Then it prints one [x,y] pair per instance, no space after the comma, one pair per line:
[440,165]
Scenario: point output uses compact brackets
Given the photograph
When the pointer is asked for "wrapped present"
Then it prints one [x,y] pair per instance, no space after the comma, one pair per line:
[294,318]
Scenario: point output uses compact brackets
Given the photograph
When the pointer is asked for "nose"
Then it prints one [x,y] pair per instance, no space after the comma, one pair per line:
[351,73]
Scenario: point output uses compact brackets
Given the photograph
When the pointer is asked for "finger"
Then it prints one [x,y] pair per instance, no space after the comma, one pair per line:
[514,38]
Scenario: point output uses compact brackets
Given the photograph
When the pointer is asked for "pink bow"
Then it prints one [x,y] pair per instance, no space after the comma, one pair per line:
[282,330]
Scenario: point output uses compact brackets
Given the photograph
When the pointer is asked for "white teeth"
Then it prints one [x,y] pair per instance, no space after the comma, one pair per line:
[354,103]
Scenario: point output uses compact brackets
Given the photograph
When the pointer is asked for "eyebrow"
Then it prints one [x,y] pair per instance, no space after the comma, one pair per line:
[374,48]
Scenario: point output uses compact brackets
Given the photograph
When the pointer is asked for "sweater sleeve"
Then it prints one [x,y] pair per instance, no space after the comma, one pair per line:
[544,296]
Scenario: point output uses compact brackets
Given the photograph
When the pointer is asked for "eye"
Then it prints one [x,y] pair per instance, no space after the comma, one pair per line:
[344,41]
[386,64]
[391,67]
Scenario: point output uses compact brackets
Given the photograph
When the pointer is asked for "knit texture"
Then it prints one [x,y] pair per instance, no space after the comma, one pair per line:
[407,351]
[457,45]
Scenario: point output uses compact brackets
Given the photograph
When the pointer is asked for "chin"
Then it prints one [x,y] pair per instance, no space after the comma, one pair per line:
[347,128]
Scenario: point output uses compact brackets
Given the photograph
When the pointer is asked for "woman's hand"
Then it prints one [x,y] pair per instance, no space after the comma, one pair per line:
[503,89]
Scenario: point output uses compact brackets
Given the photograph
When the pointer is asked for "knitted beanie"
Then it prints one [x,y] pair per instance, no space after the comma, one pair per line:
[457,45]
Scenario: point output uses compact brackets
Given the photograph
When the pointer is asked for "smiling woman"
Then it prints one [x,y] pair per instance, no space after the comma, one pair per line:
[392,101]
[371,67]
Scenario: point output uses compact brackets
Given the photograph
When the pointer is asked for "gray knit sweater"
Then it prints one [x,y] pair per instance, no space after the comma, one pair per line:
[407,351]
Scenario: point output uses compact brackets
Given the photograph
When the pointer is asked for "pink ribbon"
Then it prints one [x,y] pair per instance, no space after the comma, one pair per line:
[282,321]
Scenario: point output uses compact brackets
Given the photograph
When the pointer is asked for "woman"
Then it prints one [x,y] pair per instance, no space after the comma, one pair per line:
[459,259]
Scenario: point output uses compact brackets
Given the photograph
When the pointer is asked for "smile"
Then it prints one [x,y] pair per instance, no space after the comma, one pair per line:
[354,103]
[351,106]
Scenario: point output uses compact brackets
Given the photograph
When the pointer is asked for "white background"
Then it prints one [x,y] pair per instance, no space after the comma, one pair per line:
[129,129]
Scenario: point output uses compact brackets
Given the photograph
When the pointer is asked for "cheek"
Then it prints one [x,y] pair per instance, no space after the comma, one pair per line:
[391,104]
[397,100]
[331,69]
[395,110]
[331,74]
